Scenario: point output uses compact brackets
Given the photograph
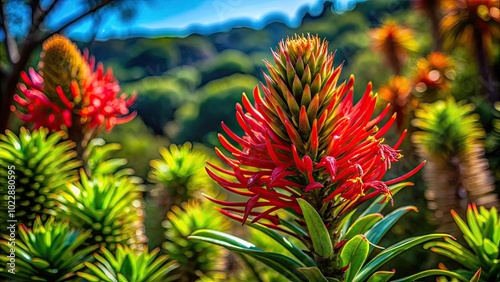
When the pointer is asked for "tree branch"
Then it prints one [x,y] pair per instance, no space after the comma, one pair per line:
[66,25]
[40,15]
[10,43]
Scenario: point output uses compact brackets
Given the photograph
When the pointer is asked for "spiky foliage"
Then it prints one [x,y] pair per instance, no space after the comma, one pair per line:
[50,251]
[126,265]
[38,165]
[482,235]
[107,205]
[197,260]
[98,159]
[451,140]
[180,173]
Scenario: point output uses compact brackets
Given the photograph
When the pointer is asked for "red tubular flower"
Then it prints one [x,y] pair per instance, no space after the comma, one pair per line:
[304,138]
[104,106]
[37,108]
[68,90]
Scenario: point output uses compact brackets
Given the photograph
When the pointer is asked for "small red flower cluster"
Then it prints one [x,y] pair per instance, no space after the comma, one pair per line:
[95,101]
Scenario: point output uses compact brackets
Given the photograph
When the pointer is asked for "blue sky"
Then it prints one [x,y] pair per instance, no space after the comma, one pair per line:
[182,17]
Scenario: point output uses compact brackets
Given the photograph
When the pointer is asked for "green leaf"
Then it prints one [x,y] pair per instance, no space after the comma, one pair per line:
[40,263]
[88,277]
[380,228]
[322,243]
[361,225]
[468,235]
[455,251]
[299,254]
[313,274]
[353,255]
[293,227]
[490,249]
[283,264]
[393,251]
[381,276]
[431,272]
[473,225]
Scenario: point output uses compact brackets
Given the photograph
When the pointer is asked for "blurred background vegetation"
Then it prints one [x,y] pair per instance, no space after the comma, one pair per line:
[187,86]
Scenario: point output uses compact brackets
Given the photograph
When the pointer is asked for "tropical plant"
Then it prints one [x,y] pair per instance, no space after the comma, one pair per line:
[107,205]
[451,140]
[180,174]
[67,94]
[126,265]
[38,165]
[482,235]
[359,238]
[98,161]
[395,42]
[476,23]
[197,260]
[50,251]
[308,150]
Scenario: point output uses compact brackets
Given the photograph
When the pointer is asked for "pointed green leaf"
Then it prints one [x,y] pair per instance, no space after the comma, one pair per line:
[361,225]
[88,277]
[380,228]
[490,249]
[381,276]
[468,235]
[299,254]
[293,227]
[455,251]
[353,255]
[322,243]
[431,272]
[283,264]
[40,263]
[393,251]
[313,274]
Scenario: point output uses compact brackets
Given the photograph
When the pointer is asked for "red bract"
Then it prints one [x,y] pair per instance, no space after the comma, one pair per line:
[305,140]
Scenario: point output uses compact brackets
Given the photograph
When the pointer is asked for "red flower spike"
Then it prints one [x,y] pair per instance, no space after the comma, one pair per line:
[301,139]
[93,98]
